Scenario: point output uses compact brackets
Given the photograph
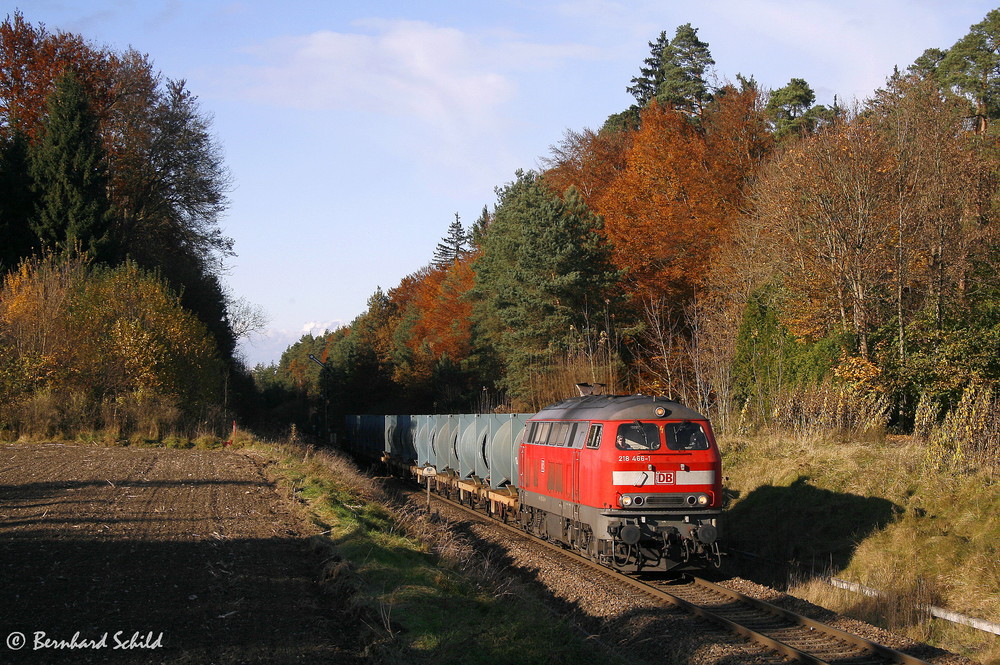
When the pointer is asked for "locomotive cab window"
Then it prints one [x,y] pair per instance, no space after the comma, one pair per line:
[685,436]
[638,436]
[594,436]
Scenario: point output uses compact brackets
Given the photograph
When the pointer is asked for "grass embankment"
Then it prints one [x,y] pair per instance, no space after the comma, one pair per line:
[424,594]
[883,513]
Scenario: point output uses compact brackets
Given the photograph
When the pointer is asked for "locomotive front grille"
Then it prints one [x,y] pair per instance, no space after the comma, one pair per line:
[665,500]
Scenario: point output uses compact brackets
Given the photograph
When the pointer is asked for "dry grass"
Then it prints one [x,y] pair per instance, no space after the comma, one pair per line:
[829,411]
[904,518]
[967,437]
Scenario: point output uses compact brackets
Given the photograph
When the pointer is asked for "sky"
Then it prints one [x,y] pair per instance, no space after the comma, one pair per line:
[354,131]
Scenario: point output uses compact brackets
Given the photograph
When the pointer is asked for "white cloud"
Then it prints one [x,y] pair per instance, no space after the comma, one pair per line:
[404,68]
[436,95]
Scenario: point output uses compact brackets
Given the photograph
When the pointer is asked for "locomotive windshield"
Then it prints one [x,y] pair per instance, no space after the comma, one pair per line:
[685,436]
[638,436]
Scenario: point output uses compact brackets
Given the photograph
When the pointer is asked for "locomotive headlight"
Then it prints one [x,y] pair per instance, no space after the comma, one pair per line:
[625,500]
[702,499]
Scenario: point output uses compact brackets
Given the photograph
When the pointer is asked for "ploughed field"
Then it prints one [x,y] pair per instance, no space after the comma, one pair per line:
[156,555]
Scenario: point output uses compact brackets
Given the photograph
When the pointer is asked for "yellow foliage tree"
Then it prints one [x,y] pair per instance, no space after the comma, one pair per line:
[107,337]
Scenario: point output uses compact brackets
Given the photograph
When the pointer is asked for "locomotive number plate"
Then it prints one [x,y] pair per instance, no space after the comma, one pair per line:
[634,458]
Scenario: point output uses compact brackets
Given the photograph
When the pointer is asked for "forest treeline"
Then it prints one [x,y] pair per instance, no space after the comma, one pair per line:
[765,259]
[114,319]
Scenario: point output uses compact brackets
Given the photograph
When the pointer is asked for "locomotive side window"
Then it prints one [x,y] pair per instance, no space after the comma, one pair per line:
[594,436]
[539,433]
[638,436]
[685,436]
[560,434]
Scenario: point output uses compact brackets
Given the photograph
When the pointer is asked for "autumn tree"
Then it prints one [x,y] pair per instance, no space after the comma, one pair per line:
[31,61]
[668,213]
[433,338]
[167,182]
[95,347]
[658,211]
[942,230]
[830,200]
[587,160]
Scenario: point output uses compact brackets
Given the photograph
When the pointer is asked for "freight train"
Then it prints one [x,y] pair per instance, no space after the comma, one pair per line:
[631,481]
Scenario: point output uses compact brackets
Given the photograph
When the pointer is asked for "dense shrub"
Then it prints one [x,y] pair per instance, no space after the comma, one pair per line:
[87,347]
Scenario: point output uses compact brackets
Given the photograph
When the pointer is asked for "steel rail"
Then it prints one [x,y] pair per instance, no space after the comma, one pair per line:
[786,650]
[873,647]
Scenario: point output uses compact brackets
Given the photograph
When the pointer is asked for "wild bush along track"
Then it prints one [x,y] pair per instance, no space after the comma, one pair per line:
[789,635]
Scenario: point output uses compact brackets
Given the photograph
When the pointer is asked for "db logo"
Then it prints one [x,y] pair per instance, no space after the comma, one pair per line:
[664,477]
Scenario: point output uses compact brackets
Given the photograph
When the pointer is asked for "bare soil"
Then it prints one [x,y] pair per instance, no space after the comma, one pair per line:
[158,556]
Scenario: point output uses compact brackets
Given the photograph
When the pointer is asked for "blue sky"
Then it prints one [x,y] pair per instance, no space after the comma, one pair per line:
[354,131]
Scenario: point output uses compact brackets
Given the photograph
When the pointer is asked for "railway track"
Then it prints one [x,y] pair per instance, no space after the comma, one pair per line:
[789,635]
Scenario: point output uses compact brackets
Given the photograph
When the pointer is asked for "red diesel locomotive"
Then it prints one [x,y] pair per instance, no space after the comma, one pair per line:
[632,481]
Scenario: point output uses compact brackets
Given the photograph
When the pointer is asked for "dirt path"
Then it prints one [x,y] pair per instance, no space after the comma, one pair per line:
[156,556]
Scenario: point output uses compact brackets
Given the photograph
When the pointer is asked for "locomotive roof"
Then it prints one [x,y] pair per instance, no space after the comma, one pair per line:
[616,407]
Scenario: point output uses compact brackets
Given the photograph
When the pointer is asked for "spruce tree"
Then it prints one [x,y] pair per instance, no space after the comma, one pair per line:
[675,71]
[70,175]
[645,85]
[453,246]
[479,228]
[17,202]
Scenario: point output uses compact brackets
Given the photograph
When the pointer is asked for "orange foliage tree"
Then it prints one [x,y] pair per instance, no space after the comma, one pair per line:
[828,203]
[670,214]
[659,213]
[433,325]
[587,160]
[676,200]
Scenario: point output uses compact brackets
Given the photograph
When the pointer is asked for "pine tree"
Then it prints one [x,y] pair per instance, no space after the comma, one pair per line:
[791,109]
[685,63]
[972,68]
[453,246]
[70,175]
[542,266]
